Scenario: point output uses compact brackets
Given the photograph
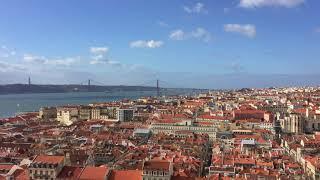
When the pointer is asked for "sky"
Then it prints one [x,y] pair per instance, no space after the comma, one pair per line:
[196,44]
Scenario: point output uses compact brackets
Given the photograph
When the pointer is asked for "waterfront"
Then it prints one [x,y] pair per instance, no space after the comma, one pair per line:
[15,103]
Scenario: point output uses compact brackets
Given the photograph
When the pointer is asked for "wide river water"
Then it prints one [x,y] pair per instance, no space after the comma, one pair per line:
[15,103]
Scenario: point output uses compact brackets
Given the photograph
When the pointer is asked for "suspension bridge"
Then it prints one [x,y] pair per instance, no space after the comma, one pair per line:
[93,85]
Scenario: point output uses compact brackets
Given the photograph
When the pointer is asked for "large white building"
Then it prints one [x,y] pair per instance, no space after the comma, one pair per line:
[293,123]
[312,123]
[67,115]
[174,126]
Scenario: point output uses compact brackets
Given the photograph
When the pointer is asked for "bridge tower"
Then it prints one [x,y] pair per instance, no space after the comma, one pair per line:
[158,88]
[89,84]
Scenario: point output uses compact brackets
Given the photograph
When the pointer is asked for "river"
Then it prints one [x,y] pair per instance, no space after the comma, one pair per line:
[15,103]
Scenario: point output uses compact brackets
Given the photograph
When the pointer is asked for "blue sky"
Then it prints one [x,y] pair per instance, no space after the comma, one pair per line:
[204,44]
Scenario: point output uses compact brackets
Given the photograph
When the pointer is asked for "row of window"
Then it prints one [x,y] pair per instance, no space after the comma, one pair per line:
[43,165]
[155,173]
[145,178]
[42,172]
[206,129]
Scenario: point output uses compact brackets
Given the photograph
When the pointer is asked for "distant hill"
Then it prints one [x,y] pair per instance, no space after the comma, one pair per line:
[27,89]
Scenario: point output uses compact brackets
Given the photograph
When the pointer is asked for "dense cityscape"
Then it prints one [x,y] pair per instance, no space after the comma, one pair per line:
[267,134]
[159,90]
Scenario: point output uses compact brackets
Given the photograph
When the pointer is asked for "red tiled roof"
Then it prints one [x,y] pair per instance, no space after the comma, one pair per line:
[265,164]
[70,172]
[292,165]
[94,173]
[166,116]
[125,175]
[249,111]
[300,111]
[314,161]
[157,165]
[205,123]
[49,159]
[21,174]
[244,161]
[206,116]
[169,121]
[180,116]
[6,166]
[178,177]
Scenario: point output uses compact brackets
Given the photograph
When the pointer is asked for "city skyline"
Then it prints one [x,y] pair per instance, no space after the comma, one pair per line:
[205,44]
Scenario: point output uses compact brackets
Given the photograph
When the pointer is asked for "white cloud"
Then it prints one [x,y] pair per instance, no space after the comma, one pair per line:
[6,52]
[199,33]
[105,62]
[6,67]
[197,8]
[63,61]
[270,3]
[94,61]
[99,50]
[317,30]
[34,59]
[177,34]
[248,30]
[163,24]
[98,60]
[146,44]
[99,56]
[29,58]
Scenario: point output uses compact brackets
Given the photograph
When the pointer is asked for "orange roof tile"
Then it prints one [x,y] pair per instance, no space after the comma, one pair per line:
[125,174]
[94,173]
[49,159]
[6,166]
[70,172]
[157,165]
